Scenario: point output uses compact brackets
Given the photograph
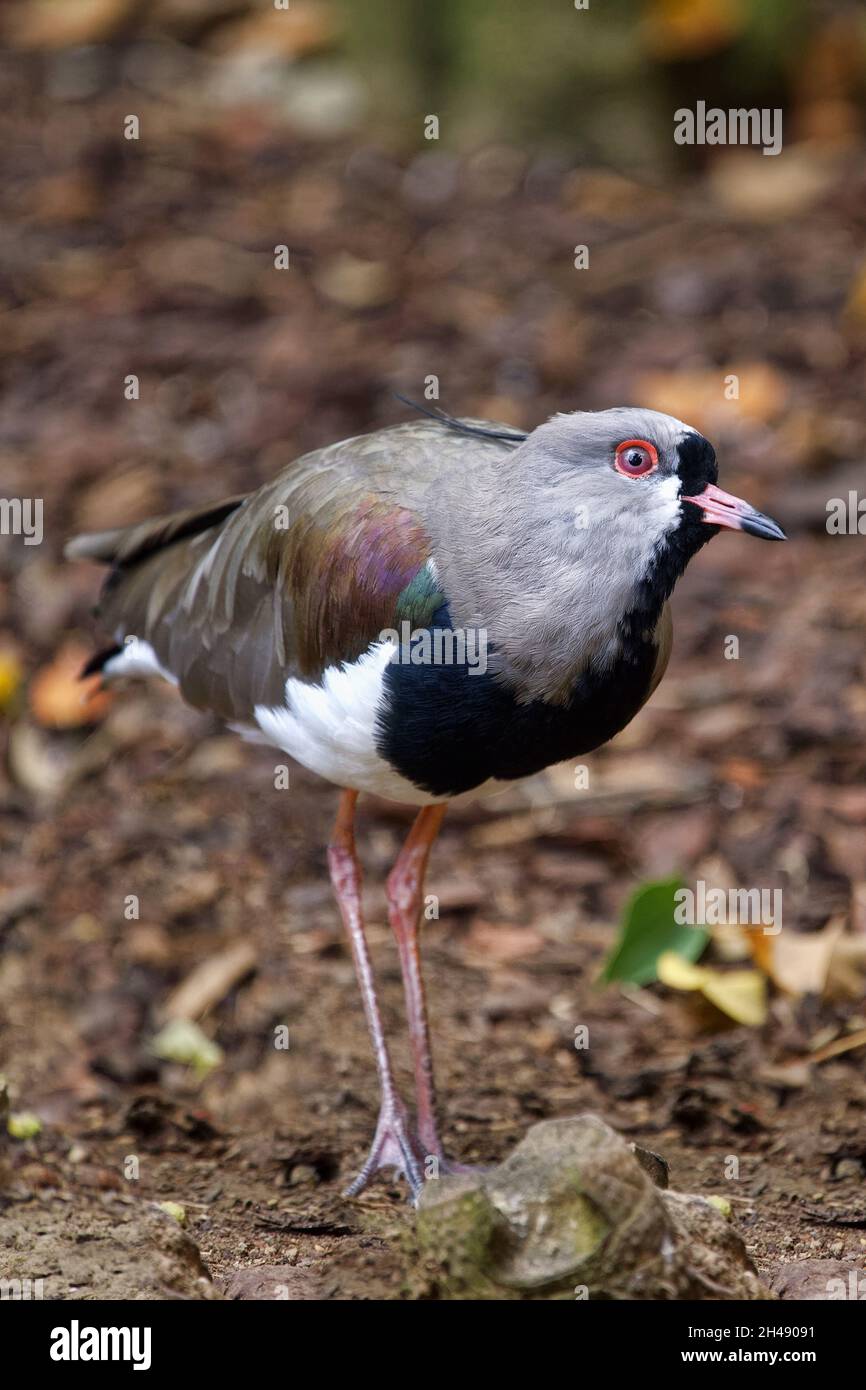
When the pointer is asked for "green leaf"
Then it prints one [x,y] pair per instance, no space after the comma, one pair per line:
[183,1041]
[648,930]
[24,1125]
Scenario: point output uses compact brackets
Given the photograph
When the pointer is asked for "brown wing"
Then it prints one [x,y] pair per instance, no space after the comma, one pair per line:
[302,574]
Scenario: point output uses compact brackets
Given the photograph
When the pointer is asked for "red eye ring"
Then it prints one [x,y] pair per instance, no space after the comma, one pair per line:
[641,468]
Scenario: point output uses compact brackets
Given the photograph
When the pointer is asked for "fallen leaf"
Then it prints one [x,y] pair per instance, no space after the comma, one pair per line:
[11,675]
[678,29]
[174,1210]
[23,1125]
[59,699]
[741,994]
[830,962]
[763,950]
[37,763]
[48,24]
[355,284]
[291,33]
[745,184]
[210,982]
[839,1046]
[183,1041]
[700,395]
[648,931]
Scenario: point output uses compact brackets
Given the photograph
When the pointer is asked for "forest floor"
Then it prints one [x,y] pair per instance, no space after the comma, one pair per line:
[157,260]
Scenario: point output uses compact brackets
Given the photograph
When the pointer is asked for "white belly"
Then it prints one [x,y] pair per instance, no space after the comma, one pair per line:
[331,728]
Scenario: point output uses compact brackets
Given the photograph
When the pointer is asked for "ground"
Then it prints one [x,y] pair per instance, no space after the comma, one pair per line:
[158,260]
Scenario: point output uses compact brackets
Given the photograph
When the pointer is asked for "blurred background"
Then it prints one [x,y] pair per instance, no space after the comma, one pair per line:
[153,356]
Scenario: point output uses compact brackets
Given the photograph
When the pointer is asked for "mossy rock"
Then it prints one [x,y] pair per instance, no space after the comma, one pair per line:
[572,1213]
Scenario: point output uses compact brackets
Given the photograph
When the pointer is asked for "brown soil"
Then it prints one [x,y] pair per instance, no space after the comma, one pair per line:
[159,260]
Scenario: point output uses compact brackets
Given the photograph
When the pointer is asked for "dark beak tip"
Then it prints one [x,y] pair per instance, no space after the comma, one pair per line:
[764,527]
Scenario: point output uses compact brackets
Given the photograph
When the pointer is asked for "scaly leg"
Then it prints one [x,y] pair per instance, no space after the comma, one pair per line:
[405,902]
[392,1143]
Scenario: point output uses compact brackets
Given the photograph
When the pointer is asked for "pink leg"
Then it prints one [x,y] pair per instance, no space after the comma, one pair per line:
[405,903]
[392,1144]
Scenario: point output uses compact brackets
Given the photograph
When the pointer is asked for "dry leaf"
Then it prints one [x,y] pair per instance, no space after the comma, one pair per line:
[770,190]
[11,674]
[839,1046]
[830,962]
[60,700]
[49,24]
[210,982]
[799,961]
[286,33]
[699,396]
[741,994]
[761,948]
[356,284]
[38,764]
[678,29]
[856,303]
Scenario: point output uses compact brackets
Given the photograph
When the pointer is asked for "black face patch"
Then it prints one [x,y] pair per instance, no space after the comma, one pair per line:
[697,463]
[697,467]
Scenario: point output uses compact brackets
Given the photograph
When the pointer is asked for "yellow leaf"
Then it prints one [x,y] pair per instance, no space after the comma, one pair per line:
[679,973]
[24,1125]
[174,1210]
[741,994]
[677,29]
[723,1205]
[10,678]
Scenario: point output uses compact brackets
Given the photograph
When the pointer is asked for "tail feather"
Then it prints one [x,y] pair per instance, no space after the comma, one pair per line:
[129,544]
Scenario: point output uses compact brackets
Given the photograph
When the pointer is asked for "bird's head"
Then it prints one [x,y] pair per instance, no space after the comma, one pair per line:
[640,488]
[579,535]
[641,471]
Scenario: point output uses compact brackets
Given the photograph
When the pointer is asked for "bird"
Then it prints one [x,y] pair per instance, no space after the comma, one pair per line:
[426,612]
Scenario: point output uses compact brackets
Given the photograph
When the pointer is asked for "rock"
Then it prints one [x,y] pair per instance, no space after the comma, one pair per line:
[102,1247]
[814,1280]
[653,1164]
[571,1213]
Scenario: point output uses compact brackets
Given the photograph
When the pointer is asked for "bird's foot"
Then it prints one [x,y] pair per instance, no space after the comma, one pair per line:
[437,1165]
[393,1146]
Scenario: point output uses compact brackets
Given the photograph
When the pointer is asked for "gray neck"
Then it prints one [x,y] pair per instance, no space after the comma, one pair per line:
[550,588]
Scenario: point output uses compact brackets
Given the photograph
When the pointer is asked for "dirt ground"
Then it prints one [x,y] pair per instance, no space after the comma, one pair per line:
[157,259]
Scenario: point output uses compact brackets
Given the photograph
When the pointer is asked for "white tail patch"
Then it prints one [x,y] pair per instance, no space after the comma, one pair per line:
[137,659]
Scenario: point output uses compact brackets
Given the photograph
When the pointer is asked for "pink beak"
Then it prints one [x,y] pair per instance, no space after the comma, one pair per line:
[723,509]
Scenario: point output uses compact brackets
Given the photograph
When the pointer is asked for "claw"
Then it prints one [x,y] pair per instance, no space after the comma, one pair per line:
[392,1147]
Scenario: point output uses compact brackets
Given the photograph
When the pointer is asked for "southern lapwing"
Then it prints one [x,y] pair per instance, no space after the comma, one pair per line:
[428,611]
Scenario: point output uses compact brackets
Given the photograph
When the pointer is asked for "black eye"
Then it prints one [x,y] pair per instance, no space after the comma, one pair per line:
[635,457]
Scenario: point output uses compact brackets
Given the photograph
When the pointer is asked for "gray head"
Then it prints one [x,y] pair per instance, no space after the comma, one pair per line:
[579,533]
